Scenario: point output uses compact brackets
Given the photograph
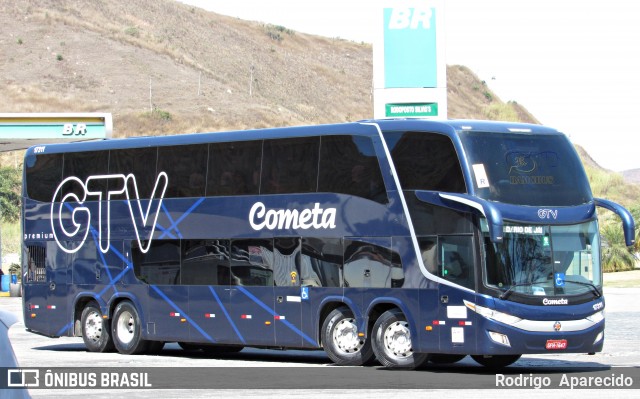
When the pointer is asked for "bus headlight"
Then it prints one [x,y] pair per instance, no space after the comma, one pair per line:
[599,337]
[596,317]
[499,338]
[493,314]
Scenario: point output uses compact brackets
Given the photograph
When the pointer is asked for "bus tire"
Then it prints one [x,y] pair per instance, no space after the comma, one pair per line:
[126,330]
[391,341]
[496,361]
[444,358]
[341,341]
[95,329]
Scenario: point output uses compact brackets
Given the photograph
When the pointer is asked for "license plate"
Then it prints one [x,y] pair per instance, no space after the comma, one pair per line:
[556,344]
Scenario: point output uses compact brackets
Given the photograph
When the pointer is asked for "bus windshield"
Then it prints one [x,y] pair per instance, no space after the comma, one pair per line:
[524,169]
[543,260]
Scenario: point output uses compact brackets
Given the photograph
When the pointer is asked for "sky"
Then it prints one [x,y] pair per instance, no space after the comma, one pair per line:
[575,65]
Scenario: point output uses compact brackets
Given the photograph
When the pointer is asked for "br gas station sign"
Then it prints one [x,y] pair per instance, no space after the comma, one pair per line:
[409,74]
[22,130]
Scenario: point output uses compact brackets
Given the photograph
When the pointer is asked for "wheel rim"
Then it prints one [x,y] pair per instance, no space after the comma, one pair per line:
[397,340]
[345,336]
[93,326]
[125,327]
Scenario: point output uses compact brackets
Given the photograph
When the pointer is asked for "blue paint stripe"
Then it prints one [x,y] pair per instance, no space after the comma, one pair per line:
[189,319]
[226,314]
[120,275]
[165,232]
[181,218]
[174,225]
[64,329]
[273,313]
[104,261]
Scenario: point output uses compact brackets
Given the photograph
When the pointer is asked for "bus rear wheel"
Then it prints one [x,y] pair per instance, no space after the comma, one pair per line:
[126,330]
[341,341]
[95,329]
[497,361]
[392,342]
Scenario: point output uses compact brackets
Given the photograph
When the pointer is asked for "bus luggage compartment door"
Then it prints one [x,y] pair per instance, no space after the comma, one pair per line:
[47,290]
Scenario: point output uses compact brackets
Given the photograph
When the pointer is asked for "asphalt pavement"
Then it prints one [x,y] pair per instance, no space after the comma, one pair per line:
[247,370]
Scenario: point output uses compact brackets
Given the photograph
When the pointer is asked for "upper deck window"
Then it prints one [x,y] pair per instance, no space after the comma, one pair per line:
[425,161]
[348,165]
[526,169]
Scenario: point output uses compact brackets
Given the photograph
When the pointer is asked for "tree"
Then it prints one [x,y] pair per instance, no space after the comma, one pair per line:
[635,212]
[616,257]
[10,183]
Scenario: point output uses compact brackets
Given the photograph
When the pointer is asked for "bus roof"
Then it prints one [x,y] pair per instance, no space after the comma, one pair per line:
[447,127]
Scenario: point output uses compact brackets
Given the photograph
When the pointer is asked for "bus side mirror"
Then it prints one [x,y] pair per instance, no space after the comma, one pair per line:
[628,224]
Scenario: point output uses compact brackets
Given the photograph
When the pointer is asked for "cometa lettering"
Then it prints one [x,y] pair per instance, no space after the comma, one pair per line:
[561,301]
[271,219]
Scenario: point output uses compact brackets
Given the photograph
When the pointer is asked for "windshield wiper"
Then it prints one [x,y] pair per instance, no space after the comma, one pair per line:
[595,289]
[508,292]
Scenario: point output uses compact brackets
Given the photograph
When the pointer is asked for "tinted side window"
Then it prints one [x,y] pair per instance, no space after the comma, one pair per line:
[141,162]
[290,166]
[348,165]
[425,161]
[205,262]
[434,220]
[83,165]
[160,265]
[371,263]
[251,262]
[449,257]
[186,168]
[325,256]
[456,254]
[43,174]
[234,168]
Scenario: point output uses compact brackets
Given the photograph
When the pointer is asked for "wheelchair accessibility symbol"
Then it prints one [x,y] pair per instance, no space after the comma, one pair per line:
[304,293]
[559,279]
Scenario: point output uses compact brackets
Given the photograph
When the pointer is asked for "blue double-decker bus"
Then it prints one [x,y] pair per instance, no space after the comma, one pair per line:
[404,241]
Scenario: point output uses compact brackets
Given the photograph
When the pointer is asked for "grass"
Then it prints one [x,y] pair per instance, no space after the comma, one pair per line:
[630,279]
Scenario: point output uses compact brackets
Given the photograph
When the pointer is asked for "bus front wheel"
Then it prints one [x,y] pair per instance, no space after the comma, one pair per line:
[95,329]
[497,361]
[392,342]
[126,330]
[341,340]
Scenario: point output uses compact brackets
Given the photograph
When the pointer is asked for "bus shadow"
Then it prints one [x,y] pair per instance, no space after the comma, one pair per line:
[250,354]
[522,366]
[525,365]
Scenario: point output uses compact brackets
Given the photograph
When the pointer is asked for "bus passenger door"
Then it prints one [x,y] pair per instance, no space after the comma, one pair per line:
[456,322]
[295,273]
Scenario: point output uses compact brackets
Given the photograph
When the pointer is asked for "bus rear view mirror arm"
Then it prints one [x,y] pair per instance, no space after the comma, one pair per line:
[628,224]
[468,203]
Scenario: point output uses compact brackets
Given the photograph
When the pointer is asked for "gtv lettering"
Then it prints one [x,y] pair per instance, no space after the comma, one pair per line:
[412,18]
[78,226]
[260,218]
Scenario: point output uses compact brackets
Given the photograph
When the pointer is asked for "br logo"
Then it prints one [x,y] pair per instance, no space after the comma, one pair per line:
[410,18]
